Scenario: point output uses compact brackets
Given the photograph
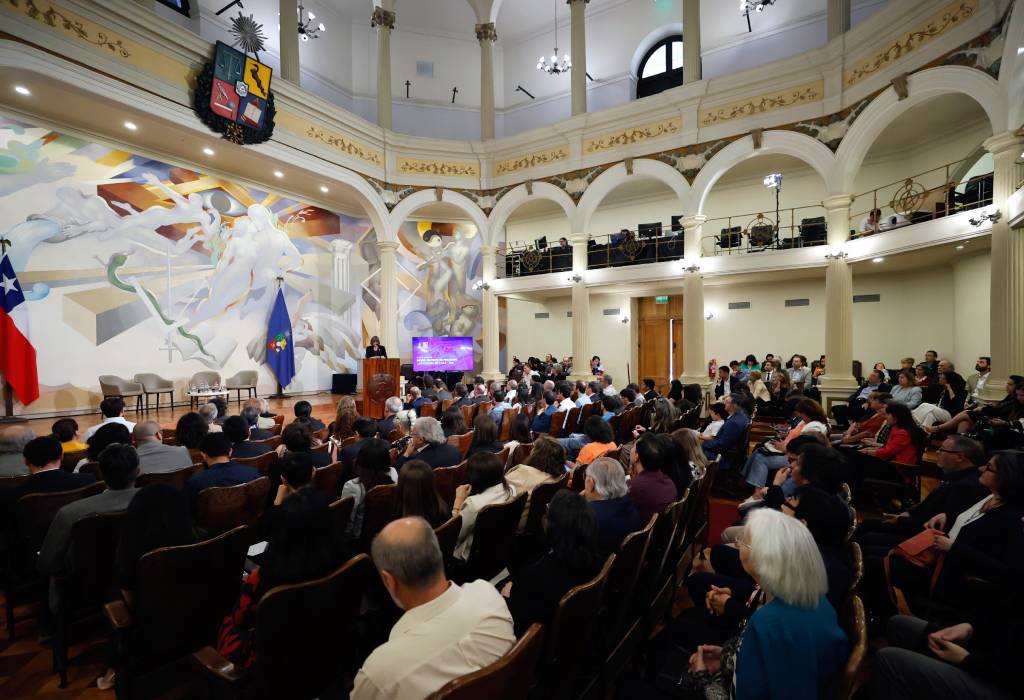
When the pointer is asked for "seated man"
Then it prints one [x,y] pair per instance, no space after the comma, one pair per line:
[462,397]
[237,429]
[112,409]
[209,413]
[607,387]
[251,415]
[563,392]
[447,631]
[651,488]
[220,471]
[501,405]
[304,414]
[731,432]
[42,457]
[154,455]
[119,466]
[365,429]
[605,488]
[13,439]
[66,430]
[391,408]
[441,391]
[546,408]
[857,403]
[297,437]
[430,445]
[414,399]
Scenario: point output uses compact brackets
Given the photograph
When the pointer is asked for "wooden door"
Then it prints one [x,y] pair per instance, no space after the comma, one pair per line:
[660,353]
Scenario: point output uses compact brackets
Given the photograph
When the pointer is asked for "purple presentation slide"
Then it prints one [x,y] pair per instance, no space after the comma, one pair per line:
[442,354]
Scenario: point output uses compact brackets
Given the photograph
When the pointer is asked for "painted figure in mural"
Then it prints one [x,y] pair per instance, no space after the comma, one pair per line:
[458,255]
[439,273]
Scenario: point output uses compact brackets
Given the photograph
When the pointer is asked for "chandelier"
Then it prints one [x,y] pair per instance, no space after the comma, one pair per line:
[555,66]
[308,30]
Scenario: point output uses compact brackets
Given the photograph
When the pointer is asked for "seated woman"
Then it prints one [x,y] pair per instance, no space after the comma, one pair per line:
[487,485]
[485,436]
[904,442]
[573,557]
[403,424]
[797,622]
[782,384]
[984,542]
[690,451]
[600,440]
[771,455]
[951,401]
[999,414]
[190,430]
[343,425]
[301,548]
[545,464]
[922,376]
[519,434]
[453,423]
[869,424]
[675,391]
[762,397]
[663,416]
[906,391]
[373,468]
[416,494]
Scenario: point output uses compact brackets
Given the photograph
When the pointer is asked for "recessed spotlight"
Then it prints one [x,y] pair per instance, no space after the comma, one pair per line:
[959,247]
[278,173]
[130,126]
[207,150]
[22,90]
[323,188]
[877,260]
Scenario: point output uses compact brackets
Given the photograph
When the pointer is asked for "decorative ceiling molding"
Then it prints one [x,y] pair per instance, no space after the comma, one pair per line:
[938,24]
[772,102]
[531,160]
[437,168]
[633,135]
[336,141]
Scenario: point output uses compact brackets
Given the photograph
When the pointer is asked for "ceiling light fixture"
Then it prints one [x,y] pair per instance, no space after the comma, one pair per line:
[555,67]
[278,173]
[22,90]
[877,260]
[323,188]
[207,150]
[480,284]
[130,126]
[308,30]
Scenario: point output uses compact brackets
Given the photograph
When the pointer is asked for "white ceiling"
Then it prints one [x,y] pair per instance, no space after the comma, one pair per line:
[927,121]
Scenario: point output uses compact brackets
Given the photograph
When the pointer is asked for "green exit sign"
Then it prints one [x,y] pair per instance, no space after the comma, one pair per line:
[661,300]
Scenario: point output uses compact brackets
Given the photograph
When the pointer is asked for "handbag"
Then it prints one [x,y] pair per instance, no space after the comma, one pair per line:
[920,551]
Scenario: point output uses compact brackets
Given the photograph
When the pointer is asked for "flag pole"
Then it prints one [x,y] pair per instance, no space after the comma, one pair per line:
[8,416]
[280,390]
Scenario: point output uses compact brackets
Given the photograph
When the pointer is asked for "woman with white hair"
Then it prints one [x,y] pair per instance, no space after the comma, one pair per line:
[796,624]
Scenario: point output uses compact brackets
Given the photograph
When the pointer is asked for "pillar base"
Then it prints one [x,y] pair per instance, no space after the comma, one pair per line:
[496,376]
[701,379]
[584,377]
[995,389]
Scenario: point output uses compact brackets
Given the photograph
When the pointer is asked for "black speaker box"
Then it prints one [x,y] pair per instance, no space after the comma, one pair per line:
[343,383]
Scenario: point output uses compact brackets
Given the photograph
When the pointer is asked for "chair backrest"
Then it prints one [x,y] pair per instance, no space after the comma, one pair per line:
[521,453]
[622,580]
[462,442]
[182,596]
[378,510]
[91,468]
[176,478]
[856,558]
[572,421]
[223,508]
[341,515]
[169,435]
[324,446]
[330,478]
[447,478]
[493,534]
[557,424]
[395,434]
[272,442]
[428,410]
[503,455]
[9,482]
[36,511]
[262,463]
[70,459]
[505,429]
[447,537]
[309,627]
[90,562]
[662,539]
[854,623]
[539,500]
[468,413]
[446,404]
[571,637]
[209,377]
[511,677]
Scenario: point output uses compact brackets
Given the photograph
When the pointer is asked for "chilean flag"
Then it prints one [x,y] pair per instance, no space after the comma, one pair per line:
[17,356]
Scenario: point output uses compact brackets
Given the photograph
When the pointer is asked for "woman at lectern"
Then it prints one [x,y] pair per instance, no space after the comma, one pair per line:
[375,349]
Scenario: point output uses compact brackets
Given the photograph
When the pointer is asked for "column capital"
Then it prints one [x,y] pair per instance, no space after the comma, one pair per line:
[388,246]
[837,201]
[1005,141]
[576,2]
[488,250]
[579,238]
[385,19]
[693,221]
[486,32]
[340,246]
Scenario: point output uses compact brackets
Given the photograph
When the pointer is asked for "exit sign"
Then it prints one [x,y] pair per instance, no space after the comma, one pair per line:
[661,300]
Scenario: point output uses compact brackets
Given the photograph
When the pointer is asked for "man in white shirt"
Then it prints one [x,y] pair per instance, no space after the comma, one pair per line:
[607,388]
[976,382]
[563,392]
[447,631]
[112,409]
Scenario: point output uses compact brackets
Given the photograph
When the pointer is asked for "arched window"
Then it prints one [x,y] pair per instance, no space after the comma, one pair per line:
[661,67]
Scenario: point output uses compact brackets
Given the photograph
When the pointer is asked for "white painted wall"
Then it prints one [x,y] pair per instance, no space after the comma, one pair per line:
[971,300]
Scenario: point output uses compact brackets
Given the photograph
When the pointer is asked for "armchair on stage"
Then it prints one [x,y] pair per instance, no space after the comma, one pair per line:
[380,381]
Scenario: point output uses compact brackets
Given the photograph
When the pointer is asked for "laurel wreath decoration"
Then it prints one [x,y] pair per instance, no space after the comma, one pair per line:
[236,133]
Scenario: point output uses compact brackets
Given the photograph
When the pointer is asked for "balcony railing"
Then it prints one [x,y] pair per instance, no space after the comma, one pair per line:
[1018,174]
[651,244]
[798,227]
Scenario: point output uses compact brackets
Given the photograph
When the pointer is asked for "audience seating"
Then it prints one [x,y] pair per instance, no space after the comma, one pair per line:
[113,386]
[428,410]
[521,453]
[10,482]
[447,478]
[261,463]
[468,413]
[206,377]
[658,576]
[493,533]
[572,422]
[171,617]
[378,511]
[539,500]
[854,622]
[223,508]
[71,459]
[273,441]
[446,404]
[511,677]
[305,646]
[84,586]
[154,384]
[462,442]
[330,478]
[177,478]
[245,380]
[447,537]
[557,423]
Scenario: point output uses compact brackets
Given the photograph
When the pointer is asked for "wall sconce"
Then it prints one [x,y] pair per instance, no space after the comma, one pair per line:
[693,268]
[993,217]
[625,319]
[841,255]
[576,278]
[709,314]
[480,284]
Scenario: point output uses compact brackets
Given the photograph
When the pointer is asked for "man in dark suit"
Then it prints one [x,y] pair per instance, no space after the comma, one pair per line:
[724,383]
[304,414]
[242,447]
[252,417]
[428,387]
[462,397]
[414,399]
[386,424]
[297,437]
[42,456]
[857,402]
[545,410]
[365,428]
[221,470]
[429,444]
[731,433]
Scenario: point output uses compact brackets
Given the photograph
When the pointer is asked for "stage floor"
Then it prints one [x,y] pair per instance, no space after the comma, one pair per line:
[324,404]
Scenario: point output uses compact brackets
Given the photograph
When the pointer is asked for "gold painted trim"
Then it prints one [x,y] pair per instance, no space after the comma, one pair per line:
[809,92]
[531,160]
[415,166]
[633,135]
[301,127]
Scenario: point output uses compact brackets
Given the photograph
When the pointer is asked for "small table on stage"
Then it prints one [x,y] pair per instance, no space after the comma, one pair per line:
[195,398]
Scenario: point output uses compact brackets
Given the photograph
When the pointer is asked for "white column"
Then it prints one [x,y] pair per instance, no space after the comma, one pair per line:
[578,53]
[289,39]
[389,297]
[691,43]
[384,21]
[341,273]
[486,35]
[838,379]
[1006,334]
[694,369]
[580,308]
[838,22]
[491,368]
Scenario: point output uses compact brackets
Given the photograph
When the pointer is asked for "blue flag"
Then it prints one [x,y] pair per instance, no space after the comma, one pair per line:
[280,350]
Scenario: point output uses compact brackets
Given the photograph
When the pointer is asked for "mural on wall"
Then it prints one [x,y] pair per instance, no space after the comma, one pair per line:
[133,265]
[437,265]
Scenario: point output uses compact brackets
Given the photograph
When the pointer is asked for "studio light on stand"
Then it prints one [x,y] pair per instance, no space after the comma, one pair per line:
[774,182]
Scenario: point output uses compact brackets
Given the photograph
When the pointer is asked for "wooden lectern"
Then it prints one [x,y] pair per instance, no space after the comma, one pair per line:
[380,382]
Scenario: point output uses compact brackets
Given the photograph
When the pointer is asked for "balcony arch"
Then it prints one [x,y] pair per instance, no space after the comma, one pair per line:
[617,175]
[519,195]
[420,199]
